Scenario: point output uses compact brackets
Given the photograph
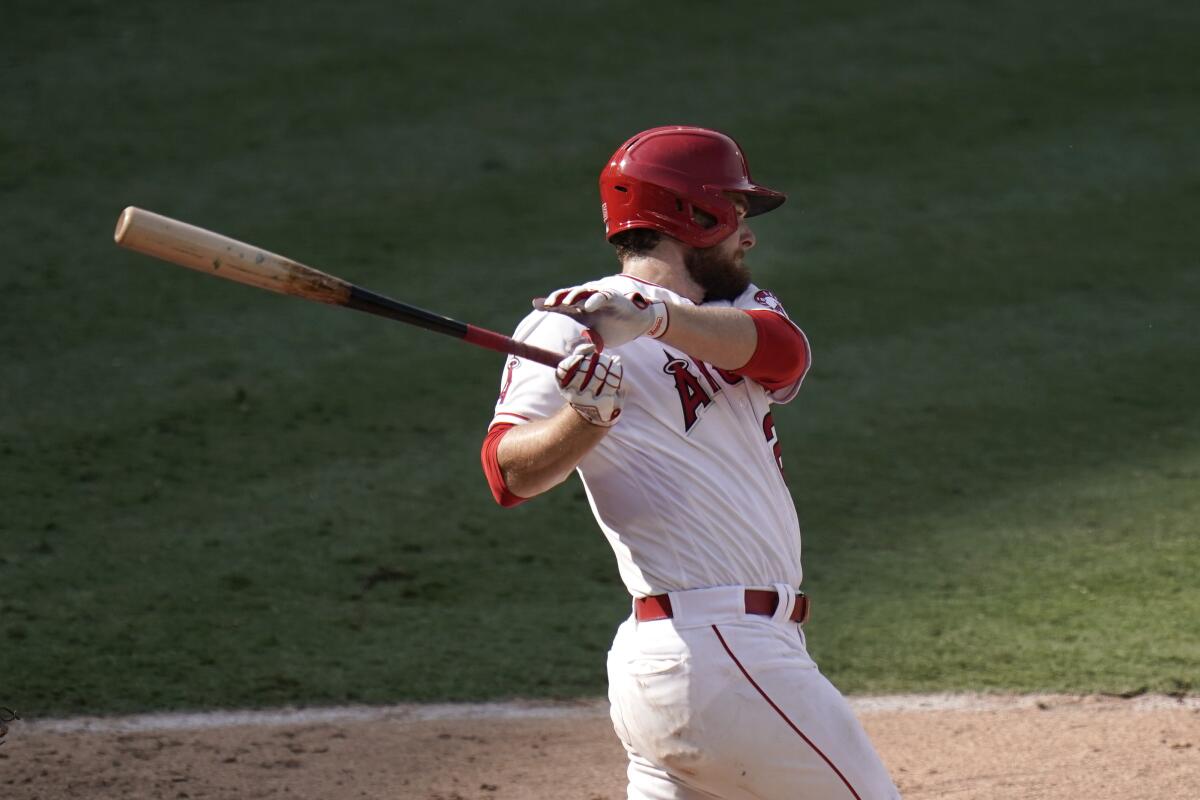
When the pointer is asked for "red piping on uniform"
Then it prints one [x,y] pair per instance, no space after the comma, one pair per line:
[642,280]
[508,414]
[781,356]
[491,466]
[784,716]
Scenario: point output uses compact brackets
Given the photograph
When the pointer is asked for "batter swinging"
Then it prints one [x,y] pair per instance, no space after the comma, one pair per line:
[667,418]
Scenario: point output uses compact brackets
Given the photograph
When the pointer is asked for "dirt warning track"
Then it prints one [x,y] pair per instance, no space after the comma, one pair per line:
[937,746]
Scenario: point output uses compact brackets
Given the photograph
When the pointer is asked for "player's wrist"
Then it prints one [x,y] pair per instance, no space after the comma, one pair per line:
[594,418]
[661,320]
[655,314]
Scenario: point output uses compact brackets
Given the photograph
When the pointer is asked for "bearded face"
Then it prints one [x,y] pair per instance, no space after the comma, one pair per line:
[722,274]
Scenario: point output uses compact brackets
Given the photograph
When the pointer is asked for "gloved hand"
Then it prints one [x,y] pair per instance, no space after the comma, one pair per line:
[615,318]
[591,382]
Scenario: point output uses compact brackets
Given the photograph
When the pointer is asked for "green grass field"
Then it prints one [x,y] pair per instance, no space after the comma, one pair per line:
[211,496]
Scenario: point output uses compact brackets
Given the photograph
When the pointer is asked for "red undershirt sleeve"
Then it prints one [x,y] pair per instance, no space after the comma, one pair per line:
[491,466]
[781,357]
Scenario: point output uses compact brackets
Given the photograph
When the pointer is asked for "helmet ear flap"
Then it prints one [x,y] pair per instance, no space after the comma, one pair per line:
[701,221]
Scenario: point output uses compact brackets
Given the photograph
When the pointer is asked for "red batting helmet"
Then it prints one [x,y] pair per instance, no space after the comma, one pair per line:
[661,176]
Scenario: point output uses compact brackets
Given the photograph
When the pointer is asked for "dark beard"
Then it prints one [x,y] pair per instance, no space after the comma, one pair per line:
[720,277]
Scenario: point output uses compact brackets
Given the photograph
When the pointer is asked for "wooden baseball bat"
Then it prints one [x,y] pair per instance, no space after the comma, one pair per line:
[214,254]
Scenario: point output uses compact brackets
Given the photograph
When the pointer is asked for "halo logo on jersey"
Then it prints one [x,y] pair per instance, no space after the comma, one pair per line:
[765,297]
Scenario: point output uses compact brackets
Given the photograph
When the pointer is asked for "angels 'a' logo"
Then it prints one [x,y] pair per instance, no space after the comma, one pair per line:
[513,363]
[692,395]
[767,298]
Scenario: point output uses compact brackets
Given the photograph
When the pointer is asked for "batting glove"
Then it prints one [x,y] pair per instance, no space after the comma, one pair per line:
[591,382]
[616,318]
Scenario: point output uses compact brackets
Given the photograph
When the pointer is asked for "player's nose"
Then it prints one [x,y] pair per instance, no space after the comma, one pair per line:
[746,237]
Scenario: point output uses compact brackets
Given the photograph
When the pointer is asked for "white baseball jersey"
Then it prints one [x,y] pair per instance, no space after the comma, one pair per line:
[687,486]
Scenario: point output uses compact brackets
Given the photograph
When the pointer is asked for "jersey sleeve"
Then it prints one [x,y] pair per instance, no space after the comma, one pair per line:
[756,299]
[528,390]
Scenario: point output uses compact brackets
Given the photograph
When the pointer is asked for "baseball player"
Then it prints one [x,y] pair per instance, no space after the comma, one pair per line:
[663,407]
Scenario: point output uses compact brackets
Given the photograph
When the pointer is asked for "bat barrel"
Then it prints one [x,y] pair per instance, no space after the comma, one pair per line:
[213,253]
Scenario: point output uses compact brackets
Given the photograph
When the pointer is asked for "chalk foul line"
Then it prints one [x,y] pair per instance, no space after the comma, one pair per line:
[864,705]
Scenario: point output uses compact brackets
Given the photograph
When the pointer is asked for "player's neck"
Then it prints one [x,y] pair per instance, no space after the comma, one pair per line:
[667,270]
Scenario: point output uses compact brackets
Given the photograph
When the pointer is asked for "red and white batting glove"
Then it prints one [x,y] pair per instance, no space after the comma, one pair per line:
[591,383]
[616,318]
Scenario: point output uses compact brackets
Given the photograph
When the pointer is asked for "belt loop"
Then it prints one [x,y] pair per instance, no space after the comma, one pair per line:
[786,604]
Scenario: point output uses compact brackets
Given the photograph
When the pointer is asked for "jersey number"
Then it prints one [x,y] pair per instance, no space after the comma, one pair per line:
[773,439]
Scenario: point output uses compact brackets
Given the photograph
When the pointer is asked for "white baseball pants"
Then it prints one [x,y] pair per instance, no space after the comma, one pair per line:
[717,703]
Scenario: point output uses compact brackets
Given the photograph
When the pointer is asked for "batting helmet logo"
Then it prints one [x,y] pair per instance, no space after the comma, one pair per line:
[662,177]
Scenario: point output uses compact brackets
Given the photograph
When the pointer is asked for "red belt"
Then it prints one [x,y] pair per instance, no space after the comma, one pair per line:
[758,601]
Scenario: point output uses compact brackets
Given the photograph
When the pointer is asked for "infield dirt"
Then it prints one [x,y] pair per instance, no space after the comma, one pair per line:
[1017,747]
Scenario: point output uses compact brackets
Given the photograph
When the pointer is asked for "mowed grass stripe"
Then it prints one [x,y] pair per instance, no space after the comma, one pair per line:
[213,497]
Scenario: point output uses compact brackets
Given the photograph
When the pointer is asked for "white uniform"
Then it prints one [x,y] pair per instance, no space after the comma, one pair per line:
[688,489]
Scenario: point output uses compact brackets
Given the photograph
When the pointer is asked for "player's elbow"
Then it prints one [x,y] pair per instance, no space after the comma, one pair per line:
[781,355]
[492,470]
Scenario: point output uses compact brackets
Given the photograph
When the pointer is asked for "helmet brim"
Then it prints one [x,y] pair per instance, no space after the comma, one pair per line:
[760,200]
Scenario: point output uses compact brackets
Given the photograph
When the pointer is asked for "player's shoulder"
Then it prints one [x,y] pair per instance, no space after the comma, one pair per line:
[756,297]
[541,323]
[547,326]
[544,325]
[625,284]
